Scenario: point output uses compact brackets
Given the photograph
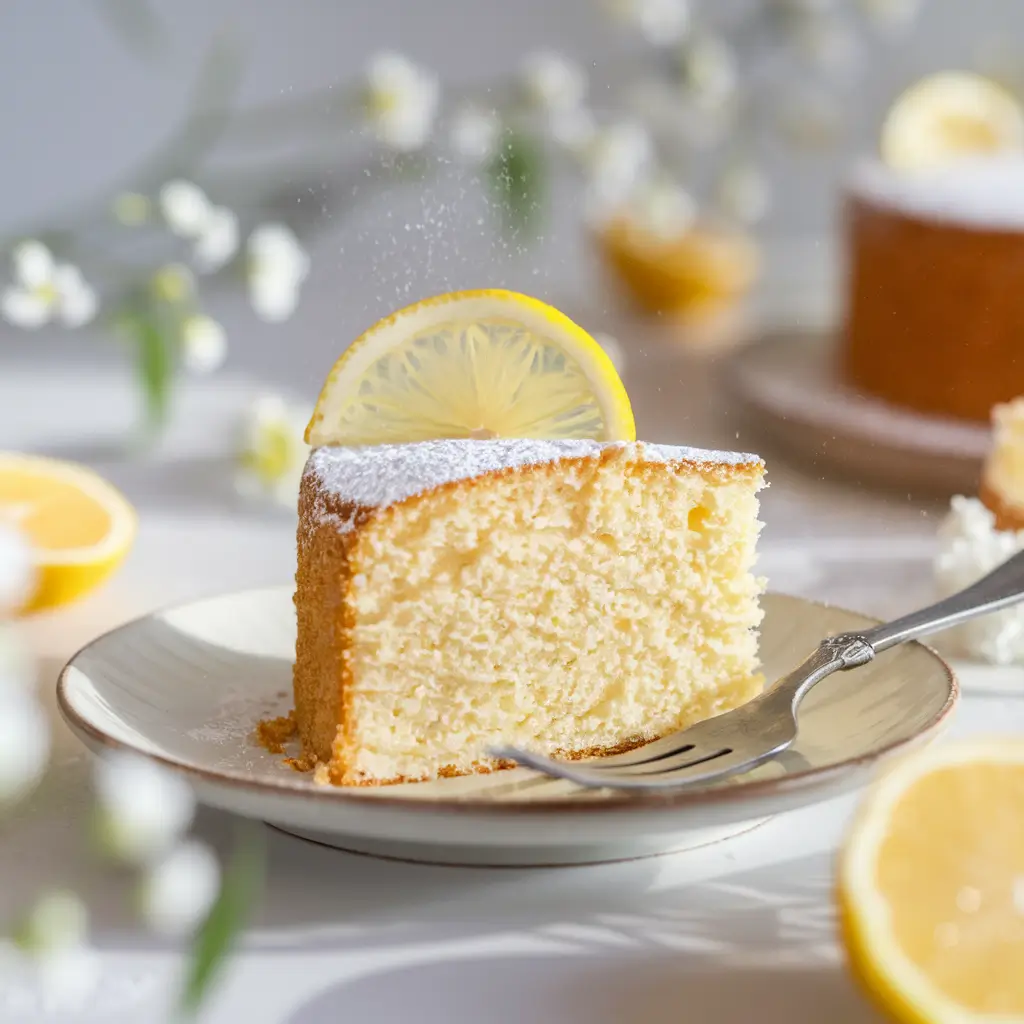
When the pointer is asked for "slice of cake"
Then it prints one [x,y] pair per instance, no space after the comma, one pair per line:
[571,597]
[1002,478]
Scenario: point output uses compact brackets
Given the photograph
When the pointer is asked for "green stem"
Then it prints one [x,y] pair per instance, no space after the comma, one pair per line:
[156,372]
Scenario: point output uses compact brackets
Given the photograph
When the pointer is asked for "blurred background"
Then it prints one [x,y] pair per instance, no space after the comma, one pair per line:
[205,201]
[101,95]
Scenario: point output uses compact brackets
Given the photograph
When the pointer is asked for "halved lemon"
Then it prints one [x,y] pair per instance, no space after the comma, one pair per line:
[931,886]
[702,270]
[488,363]
[948,116]
[79,527]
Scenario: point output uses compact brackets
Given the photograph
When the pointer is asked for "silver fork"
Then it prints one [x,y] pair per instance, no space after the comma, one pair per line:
[759,730]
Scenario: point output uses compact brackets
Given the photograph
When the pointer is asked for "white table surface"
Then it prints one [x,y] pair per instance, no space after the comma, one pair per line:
[738,931]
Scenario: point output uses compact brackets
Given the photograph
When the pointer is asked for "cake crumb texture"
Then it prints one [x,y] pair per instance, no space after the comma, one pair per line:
[274,733]
[570,597]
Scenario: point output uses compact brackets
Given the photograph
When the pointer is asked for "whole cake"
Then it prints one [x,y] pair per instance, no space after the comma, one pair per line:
[934,305]
[572,597]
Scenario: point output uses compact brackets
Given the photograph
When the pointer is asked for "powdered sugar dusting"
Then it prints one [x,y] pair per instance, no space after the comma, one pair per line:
[986,192]
[386,474]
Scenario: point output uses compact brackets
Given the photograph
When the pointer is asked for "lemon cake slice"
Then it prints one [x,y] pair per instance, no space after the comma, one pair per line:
[572,597]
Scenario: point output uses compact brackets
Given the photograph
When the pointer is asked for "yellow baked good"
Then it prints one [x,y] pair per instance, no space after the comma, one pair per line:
[573,597]
[1002,476]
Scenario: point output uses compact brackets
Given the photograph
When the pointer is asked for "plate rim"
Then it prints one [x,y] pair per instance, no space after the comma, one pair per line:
[354,796]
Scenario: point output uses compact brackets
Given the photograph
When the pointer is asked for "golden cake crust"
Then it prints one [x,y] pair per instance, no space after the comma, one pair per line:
[1008,517]
[329,534]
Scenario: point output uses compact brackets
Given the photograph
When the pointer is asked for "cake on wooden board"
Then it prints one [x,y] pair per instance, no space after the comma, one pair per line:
[572,597]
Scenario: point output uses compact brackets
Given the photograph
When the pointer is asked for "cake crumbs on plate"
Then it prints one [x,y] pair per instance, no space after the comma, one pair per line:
[273,733]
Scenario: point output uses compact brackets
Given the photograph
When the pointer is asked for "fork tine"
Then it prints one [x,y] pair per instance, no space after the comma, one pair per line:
[691,775]
[637,759]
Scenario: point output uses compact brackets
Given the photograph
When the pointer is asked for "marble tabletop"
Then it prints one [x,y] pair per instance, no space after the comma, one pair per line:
[737,930]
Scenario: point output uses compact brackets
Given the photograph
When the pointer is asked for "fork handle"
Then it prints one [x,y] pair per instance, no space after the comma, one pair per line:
[1001,588]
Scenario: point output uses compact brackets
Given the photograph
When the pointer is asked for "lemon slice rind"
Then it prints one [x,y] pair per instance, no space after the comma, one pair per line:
[123,519]
[432,369]
[65,573]
[877,959]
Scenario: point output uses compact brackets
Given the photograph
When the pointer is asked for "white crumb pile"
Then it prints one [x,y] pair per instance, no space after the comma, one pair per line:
[969,547]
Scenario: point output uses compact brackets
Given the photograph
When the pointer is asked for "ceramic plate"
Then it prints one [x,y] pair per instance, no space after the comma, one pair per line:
[186,686]
[791,384]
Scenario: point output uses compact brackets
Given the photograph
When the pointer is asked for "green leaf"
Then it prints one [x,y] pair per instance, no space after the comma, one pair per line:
[516,176]
[240,890]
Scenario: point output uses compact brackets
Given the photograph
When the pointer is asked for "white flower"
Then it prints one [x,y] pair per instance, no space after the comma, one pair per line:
[178,891]
[474,133]
[277,266]
[217,241]
[45,289]
[615,160]
[662,208]
[185,208]
[24,743]
[272,451]
[54,934]
[552,82]
[144,808]
[213,230]
[204,344]
[17,567]
[401,102]
[613,350]
[661,22]
[743,193]
[57,920]
[708,68]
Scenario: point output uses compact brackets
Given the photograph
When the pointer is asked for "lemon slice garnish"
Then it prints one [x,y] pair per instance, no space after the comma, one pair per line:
[949,116]
[478,364]
[931,886]
[79,527]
